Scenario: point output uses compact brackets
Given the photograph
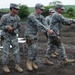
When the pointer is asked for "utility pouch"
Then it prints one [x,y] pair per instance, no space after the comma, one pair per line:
[57,40]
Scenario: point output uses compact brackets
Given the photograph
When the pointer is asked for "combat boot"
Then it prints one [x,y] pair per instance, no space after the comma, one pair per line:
[29,65]
[68,60]
[35,66]
[56,53]
[18,68]
[6,69]
[47,62]
[53,55]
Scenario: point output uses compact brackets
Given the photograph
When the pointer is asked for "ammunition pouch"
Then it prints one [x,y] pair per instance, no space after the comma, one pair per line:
[30,41]
[56,40]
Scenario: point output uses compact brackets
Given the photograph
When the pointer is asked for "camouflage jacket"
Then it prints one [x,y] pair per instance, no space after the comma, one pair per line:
[56,22]
[7,20]
[35,22]
[48,20]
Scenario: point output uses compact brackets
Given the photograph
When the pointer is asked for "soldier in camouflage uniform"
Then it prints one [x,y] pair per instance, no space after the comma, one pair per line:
[10,24]
[51,11]
[35,22]
[56,20]
[48,19]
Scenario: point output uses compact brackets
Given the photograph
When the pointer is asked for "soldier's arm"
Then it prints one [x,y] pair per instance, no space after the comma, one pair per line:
[48,21]
[65,21]
[39,24]
[3,25]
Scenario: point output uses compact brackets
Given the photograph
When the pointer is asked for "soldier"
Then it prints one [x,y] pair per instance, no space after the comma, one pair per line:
[56,20]
[48,19]
[51,11]
[35,22]
[10,24]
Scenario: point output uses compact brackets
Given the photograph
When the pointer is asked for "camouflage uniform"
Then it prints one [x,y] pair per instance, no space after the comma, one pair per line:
[56,22]
[48,20]
[35,22]
[10,38]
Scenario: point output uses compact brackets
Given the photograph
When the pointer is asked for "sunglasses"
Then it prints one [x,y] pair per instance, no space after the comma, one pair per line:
[41,9]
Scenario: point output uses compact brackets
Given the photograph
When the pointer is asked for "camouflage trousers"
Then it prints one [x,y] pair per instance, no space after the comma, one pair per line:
[32,47]
[60,46]
[6,49]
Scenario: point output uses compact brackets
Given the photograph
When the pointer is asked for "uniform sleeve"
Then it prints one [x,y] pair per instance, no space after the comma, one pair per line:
[64,20]
[38,23]
[44,22]
[47,20]
[18,22]
[3,23]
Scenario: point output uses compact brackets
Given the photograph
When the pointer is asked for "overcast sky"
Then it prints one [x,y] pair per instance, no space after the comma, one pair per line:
[31,3]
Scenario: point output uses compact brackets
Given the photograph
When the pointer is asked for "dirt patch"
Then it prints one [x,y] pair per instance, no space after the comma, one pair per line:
[68,38]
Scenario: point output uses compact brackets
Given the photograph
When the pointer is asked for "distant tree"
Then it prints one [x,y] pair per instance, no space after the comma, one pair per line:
[23,12]
[53,3]
[4,10]
[70,12]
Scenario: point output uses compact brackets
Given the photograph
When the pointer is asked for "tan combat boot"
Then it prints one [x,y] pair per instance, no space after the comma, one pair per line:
[53,55]
[29,65]
[47,62]
[68,60]
[35,66]
[6,69]
[18,68]
[56,53]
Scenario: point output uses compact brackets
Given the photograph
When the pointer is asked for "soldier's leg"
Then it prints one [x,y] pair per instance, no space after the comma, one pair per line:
[54,53]
[32,48]
[63,55]
[50,47]
[32,52]
[16,52]
[62,52]
[49,52]
[5,53]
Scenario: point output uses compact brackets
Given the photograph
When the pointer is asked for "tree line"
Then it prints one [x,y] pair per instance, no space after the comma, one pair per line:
[25,11]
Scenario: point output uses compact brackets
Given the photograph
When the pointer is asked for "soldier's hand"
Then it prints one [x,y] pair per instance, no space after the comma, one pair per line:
[51,31]
[9,28]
